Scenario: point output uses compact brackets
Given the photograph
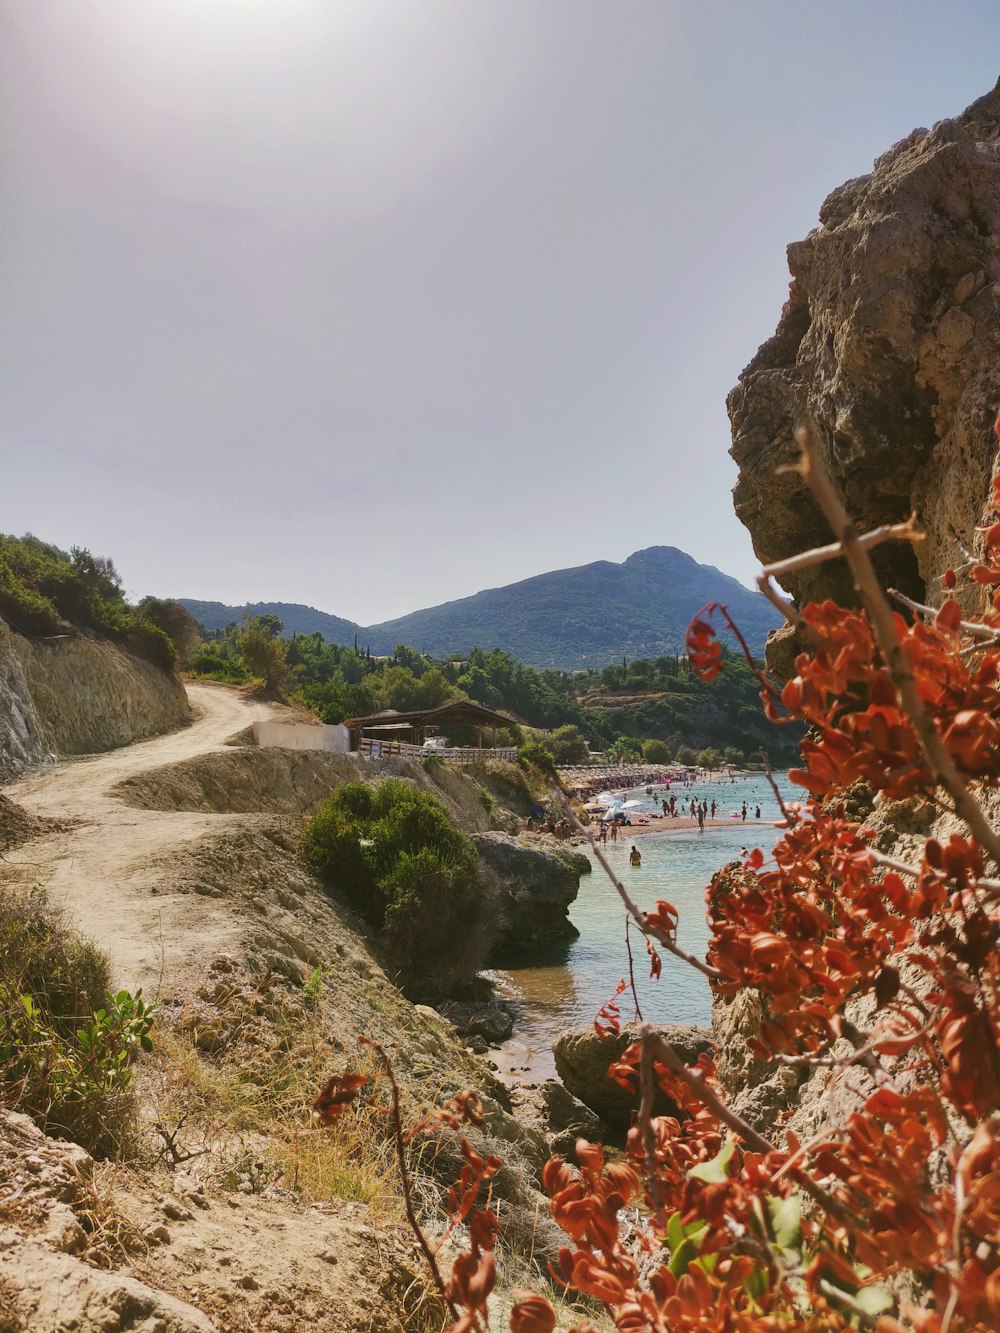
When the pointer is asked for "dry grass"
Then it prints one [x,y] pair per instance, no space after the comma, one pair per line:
[252,1111]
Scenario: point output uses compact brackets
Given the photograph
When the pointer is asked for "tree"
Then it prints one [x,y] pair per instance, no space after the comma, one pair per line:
[656,752]
[175,620]
[624,749]
[567,745]
[264,653]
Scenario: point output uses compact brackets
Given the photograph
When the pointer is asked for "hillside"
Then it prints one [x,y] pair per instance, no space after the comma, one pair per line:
[569,618]
[296,618]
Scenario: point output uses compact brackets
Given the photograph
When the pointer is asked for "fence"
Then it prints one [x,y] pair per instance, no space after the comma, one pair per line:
[454,754]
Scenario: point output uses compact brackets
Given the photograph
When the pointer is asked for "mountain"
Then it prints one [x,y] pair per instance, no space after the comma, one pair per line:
[569,618]
[296,618]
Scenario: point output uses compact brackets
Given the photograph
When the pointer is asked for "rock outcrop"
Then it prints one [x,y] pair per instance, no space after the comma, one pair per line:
[45,1285]
[583,1059]
[535,888]
[889,347]
[76,695]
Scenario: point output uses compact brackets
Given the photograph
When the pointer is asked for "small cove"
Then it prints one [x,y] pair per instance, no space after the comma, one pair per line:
[566,985]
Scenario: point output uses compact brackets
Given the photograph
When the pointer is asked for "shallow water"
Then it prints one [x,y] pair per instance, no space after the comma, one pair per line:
[566,986]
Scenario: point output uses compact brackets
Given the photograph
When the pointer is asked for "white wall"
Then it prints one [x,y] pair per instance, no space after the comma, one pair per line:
[303,736]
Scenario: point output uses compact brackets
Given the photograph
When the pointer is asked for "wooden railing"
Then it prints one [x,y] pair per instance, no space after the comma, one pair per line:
[455,754]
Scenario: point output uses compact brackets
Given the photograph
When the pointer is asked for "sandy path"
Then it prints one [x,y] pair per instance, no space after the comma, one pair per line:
[111,871]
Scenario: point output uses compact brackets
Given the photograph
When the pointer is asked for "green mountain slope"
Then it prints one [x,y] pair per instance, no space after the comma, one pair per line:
[296,618]
[586,616]
[569,618]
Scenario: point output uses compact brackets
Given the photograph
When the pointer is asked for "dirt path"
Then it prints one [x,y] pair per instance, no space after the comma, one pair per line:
[111,870]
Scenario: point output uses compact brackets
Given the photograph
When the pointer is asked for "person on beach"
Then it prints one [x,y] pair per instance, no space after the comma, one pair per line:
[713,809]
[701,819]
[614,830]
[744,812]
[604,833]
[634,858]
[757,813]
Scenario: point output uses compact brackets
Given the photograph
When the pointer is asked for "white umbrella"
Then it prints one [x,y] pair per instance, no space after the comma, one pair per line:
[606,798]
[630,805]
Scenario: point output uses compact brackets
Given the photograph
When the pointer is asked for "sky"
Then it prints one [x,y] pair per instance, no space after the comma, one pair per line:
[371,304]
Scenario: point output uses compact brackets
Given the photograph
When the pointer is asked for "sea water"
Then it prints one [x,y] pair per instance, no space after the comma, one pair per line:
[566,985]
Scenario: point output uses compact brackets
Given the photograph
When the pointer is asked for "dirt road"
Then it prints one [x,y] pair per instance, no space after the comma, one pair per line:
[110,871]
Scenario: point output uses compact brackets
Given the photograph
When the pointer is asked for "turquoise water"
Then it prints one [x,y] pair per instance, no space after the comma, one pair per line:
[566,986]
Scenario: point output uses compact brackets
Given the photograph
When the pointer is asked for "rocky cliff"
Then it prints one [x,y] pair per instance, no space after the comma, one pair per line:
[889,346]
[76,696]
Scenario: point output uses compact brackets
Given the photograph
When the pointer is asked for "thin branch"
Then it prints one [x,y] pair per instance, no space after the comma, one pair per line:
[970,626]
[818,555]
[631,971]
[647,1084]
[694,1080]
[866,581]
[404,1175]
[781,604]
[790,819]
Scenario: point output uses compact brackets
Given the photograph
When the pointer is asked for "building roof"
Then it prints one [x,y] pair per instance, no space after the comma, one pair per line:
[457,713]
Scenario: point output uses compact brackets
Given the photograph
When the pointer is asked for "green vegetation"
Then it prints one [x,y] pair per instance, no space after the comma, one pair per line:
[66,1044]
[620,710]
[395,854]
[45,591]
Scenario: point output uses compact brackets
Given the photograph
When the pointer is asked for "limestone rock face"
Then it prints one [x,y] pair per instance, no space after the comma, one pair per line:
[583,1058]
[889,347]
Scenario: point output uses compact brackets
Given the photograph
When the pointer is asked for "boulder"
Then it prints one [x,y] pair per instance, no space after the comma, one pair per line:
[490,1020]
[567,1119]
[583,1059]
[535,888]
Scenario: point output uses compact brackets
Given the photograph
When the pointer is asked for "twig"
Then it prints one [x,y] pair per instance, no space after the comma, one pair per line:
[169,1137]
[817,555]
[781,604]
[970,626]
[867,584]
[786,814]
[631,972]
[404,1175]
[843,1298]
[647,1085]
[694,1080]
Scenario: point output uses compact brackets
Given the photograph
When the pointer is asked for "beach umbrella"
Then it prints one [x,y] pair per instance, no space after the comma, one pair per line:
[606,798]
[630,805]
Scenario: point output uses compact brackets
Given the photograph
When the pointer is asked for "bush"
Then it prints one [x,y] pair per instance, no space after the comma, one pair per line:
[535,755]
[656,752]
[65,1043]
[393,851]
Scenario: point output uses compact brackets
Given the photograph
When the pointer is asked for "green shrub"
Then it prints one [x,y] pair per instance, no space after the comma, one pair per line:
[656,752]
[393,851]
[65,1044]
[537,756]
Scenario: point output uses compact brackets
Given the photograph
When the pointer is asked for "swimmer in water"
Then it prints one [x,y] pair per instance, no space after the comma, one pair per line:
[634,858]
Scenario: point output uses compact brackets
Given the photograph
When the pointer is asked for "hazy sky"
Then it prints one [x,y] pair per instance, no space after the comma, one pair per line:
[375,303]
